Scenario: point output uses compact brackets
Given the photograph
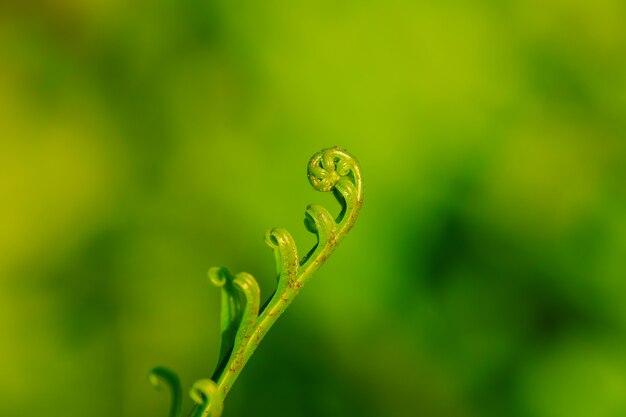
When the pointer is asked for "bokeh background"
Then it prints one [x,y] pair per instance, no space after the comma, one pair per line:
[143,142]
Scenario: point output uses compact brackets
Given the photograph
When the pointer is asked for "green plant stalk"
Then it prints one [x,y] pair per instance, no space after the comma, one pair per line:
[330,170]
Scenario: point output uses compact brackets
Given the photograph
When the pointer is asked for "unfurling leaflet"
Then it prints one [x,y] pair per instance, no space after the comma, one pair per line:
[244,322]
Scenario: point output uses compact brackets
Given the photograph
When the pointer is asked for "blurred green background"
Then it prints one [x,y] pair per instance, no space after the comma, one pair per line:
[143,142]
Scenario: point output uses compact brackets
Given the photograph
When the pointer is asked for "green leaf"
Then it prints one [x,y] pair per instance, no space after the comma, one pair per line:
[160,376]
[209,401]
[330,170]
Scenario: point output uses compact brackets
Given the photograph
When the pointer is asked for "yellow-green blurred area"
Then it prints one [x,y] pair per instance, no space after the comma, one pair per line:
[143,142]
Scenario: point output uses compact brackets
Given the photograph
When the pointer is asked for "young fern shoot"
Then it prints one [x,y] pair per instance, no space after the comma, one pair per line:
[244,322]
